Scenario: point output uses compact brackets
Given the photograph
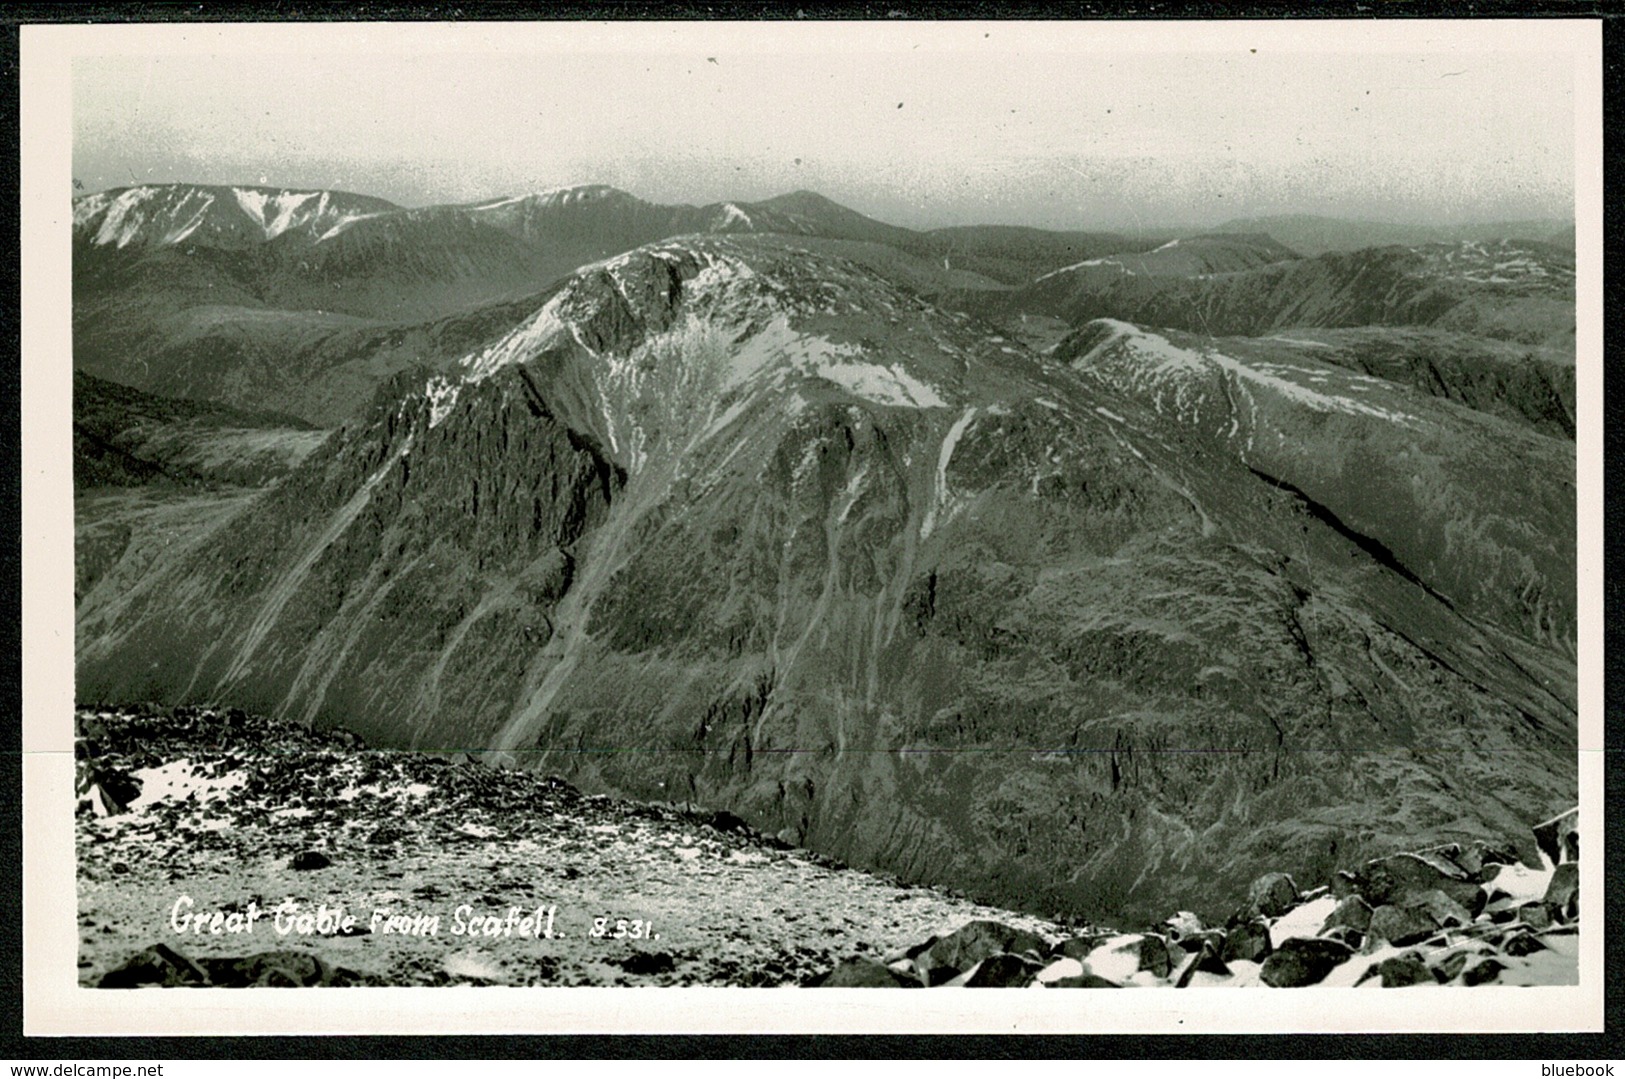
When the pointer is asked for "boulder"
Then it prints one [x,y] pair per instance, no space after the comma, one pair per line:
[1344,884]
[1403,970]
[1084,981]
[1079,947]
[1353,912]
[1181,925]
[1272,895]
[1207,961]
[309,859]
[1521,942]
[1481,861]
[1250,942]
[276,970]
[118,789]
[860,973]
[1445,911]
[1485,970]
[158,965]
[1344,934]
[1399,876]
[1535,915]
[912,952]
[1451,965]
[1559,838]
[1206,938]
[1303,961]
[386,834]
[976,941]
[648,963]
[1004,971]
[1154,955]
[1400,925]
[1563,893]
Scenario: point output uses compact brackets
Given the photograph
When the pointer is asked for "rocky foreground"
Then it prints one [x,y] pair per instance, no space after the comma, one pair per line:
[221,849]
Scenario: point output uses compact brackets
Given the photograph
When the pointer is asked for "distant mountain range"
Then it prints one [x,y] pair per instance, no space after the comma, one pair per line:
[1318,235]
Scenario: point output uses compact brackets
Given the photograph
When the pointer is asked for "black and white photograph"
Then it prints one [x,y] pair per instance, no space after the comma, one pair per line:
[792,506]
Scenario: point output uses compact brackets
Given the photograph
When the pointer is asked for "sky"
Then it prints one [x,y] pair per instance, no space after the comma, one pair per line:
[1058,125]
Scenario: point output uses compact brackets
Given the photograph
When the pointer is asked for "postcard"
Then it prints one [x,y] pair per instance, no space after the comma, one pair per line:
[695,526]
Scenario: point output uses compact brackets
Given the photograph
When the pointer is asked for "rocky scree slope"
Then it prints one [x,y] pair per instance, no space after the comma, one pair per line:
[729,521]
[240,813]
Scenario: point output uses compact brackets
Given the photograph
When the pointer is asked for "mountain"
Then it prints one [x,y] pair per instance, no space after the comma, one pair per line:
[1013,255]
[1197,256]
[1314,235]
[158,215]
[1527,384]
[1399,472]
[150,472]
[123,437]
[1511,290]
[299,301]
[728,519]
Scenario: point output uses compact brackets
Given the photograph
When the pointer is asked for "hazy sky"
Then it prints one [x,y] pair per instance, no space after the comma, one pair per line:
[1060,125]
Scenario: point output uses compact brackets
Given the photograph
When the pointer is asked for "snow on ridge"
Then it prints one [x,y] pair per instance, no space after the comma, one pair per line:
[123,219]
[89,206]
[345,222]
[732,213]
[1087,262]
[1162,360]
[541,330]
[1171,243]
[273,213]
[181,233]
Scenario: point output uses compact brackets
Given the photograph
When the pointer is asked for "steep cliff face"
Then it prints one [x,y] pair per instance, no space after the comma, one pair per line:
[729,521]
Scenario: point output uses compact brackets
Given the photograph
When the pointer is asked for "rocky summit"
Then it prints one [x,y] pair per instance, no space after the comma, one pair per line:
[222,849]
[1094,622]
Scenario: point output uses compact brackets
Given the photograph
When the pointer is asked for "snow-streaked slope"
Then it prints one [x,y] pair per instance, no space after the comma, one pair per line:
[1480,509]
[159,215]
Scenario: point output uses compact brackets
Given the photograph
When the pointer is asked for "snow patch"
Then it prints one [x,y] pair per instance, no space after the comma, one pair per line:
[442,395]
[541,331]
[1116,959]
[1080,265]
[1522,884]
[1302,921]
[939,498]
[885,385]
[178,781]
[274,214]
